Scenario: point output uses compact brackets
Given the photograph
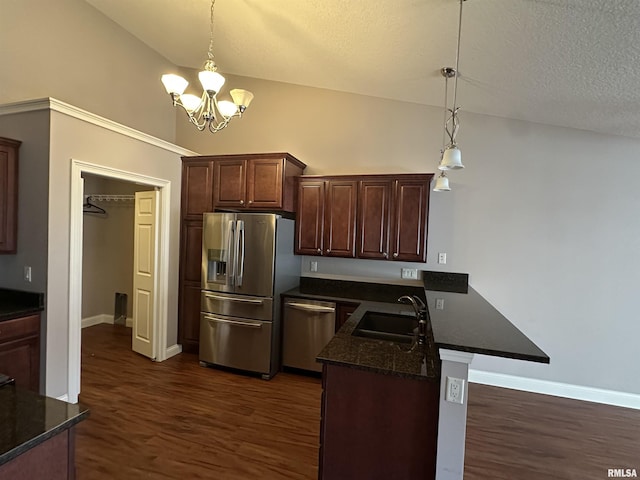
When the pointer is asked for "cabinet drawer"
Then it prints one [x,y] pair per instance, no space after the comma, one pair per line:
[19,327]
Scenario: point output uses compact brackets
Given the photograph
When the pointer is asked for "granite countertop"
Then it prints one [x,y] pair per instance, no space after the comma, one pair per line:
[466,322]
[17,303]
[28,419]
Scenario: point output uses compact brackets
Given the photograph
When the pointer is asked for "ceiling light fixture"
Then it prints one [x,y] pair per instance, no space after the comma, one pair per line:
[202,111]
[450,155]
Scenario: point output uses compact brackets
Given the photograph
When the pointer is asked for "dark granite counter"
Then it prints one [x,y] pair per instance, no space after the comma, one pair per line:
[28,419]
[466,322]
[16,303]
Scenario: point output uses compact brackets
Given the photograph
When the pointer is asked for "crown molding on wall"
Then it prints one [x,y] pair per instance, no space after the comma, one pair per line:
[75,112]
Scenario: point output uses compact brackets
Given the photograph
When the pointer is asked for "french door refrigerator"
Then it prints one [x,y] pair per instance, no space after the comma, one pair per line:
[247,262]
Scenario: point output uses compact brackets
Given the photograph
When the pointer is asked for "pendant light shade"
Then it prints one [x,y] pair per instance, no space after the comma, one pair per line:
[451,159]
[442,183]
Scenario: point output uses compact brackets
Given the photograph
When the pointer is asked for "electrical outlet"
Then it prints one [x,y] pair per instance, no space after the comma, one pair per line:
[27,274]
[439,303]
[442,258]
[313,266]
[455,390]
[410,273]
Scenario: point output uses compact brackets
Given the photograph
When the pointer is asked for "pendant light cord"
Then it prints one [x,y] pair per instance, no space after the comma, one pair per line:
[455,82]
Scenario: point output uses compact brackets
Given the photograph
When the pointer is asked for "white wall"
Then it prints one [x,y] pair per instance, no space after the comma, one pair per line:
[546,229]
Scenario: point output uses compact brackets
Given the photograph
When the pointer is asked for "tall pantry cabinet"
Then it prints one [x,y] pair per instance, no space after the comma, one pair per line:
[262,182]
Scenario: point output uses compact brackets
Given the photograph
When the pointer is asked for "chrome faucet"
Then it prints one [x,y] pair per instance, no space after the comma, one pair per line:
[421,315]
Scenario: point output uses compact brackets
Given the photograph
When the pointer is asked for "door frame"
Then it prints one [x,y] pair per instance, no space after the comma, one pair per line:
[75,261]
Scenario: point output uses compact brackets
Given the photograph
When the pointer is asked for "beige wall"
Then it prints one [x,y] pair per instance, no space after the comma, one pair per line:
[68,50]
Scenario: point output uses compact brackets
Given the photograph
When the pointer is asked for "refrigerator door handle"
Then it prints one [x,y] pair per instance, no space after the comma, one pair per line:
[240,258]
[231,249]
[310,308]
[234,323]
[234,299]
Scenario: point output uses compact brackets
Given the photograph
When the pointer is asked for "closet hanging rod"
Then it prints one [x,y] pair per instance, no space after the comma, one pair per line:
[98,197]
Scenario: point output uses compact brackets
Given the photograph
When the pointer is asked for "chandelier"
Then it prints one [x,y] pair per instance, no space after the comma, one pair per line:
[450,155]
[207,111]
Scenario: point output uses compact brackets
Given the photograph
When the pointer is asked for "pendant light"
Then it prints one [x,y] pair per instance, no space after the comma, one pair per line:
[450,155]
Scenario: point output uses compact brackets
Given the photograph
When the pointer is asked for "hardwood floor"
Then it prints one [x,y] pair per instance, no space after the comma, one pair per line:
[177,420]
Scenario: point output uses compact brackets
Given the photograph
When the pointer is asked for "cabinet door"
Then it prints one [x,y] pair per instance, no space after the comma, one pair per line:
[264,183]
[20,351]
[230,183]
[343,312]
[340,218]
[8,195]
[189,320]
[191,252]
[190,285]
[309,219]
[197,188]
[411,203]
[374,218]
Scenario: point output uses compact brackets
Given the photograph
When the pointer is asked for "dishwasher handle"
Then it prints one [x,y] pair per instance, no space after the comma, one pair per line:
[310,308]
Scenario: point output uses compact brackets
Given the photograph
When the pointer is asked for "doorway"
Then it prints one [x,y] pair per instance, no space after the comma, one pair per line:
[78,170]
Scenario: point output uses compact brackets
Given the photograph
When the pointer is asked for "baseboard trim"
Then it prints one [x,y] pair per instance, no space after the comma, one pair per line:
[172,351]
[96,320]
[64,398]
[576,392]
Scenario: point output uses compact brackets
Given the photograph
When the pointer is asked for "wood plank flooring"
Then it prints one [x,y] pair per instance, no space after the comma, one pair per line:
[177,420]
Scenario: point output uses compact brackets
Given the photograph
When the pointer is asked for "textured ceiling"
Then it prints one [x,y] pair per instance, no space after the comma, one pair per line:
[572,63]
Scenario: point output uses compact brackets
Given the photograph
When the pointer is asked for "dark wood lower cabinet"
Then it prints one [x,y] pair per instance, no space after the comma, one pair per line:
[53,459]
[190,317]
[377,426]
[20,351]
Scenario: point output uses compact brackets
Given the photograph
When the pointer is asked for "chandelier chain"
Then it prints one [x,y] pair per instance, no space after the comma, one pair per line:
[210,54]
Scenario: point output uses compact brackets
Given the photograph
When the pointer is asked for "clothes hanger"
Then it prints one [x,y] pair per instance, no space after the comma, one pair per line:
[89,207]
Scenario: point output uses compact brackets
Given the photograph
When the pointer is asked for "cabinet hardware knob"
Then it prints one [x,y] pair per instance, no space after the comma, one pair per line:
[320,251]
[328,250]
[385,255]
[395,255]
[241,202]
[250,202]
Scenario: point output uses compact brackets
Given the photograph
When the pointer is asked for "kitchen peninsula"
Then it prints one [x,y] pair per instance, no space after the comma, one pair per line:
[463,324]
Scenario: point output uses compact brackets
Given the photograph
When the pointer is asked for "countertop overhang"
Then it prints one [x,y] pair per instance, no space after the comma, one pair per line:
[18,303]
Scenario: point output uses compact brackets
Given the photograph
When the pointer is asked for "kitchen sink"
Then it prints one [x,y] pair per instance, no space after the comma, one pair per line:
[386,326]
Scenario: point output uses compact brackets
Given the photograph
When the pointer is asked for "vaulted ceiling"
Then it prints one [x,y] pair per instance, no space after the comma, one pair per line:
[572,63]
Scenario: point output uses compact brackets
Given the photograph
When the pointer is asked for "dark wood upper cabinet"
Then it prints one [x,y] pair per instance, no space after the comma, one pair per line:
[340,218]
[9,195]
[326,216]
[256,181]
[197,188]
[310,217]
[374,218]
[381,217]
[409,231]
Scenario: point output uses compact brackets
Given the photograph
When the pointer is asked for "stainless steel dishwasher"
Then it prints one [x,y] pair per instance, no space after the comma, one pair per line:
[308,325]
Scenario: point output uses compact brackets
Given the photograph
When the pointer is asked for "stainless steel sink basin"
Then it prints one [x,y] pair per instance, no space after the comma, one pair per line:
[386,326]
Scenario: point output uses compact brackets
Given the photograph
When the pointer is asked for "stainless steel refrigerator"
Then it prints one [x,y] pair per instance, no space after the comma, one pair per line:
[247,262]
